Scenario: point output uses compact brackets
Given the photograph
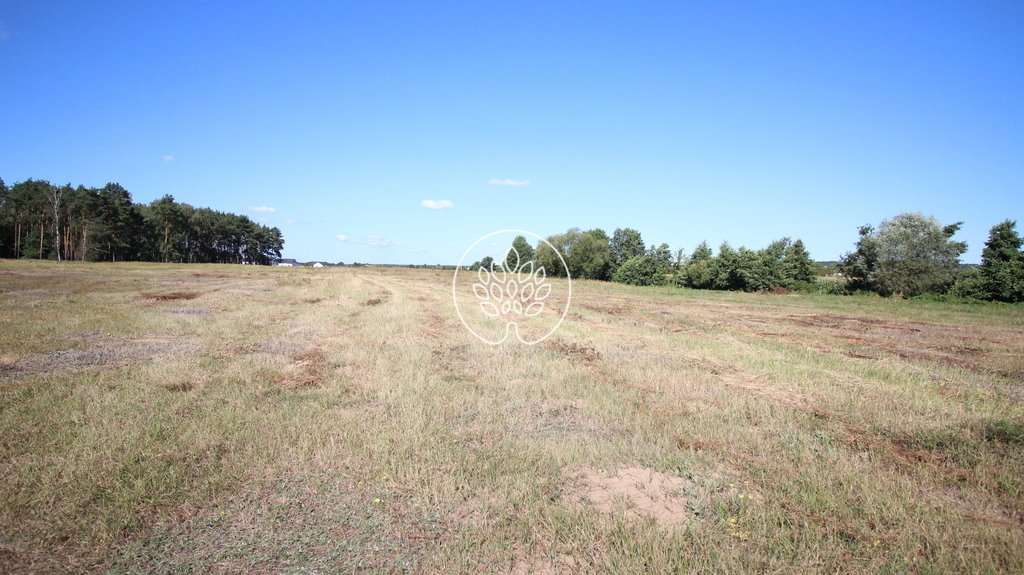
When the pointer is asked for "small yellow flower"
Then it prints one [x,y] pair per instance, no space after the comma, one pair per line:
[376,499]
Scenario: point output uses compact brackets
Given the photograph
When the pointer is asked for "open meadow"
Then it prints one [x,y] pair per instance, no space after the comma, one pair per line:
[242,419]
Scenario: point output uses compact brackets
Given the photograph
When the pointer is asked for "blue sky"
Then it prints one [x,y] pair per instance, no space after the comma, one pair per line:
[689,121]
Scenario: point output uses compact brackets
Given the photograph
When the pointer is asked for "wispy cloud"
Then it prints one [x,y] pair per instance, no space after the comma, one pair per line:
[380,242]
[508,182]
[262,209]
[167,158]
[437,204]
[415,250]
[342,237]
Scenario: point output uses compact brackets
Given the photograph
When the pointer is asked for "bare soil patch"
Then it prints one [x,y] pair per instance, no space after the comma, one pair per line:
[640,494]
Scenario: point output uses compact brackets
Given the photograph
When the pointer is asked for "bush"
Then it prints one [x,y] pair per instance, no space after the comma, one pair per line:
[970,284]
[831,286]
[640,271]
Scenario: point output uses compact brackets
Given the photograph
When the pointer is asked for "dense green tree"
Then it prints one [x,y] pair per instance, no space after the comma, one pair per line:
[1002,263]
[591,256]
[626,243]
[587,254]
[700,270]
[168,218]
[727,270]
[799,267]
[118,224]
[639,271]
[650,268]
[39,220]
[678,265]
[860,267]
[29,212]
[519,254]
[662,258]
[916,255]
[486,263]
[970,284]
[763,269]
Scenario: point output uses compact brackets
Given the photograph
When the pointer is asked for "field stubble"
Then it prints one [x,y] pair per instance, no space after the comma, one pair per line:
[227,419]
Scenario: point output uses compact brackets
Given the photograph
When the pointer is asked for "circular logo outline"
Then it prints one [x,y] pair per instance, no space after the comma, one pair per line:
[508,325]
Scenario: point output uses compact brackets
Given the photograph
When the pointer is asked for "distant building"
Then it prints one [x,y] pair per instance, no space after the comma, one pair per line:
[318,265]
[287,263]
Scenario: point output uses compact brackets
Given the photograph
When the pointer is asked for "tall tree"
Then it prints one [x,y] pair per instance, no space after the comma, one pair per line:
[117,222]
[519,254]
[916,255]
[860,267]
[626,243]
[799,267]
[56,197]
[167,217]
[700,271]
[1002,263]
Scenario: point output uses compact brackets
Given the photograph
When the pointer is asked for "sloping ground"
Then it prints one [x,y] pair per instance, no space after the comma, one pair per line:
[218,419]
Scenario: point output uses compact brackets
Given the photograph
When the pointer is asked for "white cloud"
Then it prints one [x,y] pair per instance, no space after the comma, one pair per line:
[380,242]
[262,209]
[342,237]
[437,204]
[508,182]
[167,158]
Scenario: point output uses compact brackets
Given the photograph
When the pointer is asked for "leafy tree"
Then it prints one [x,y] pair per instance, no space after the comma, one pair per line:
[626,243]
[30,211]
[104,224]
[677,268]
[650,268]
[764,269]
[167,218]
[860,267]
[701,270]
[523,253]
[727,270]
[1002,263]
[547,254]
[591,256]
[916,255]
[662,258]
[799,267]
[486,263]
[587,254]
[118,224]
[970,284]
[639,271]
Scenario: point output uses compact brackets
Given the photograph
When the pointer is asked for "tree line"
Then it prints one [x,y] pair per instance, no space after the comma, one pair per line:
[909,255]
[39,220]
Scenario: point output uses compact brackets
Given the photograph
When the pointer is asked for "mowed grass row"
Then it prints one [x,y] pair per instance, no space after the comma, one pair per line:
[232,419]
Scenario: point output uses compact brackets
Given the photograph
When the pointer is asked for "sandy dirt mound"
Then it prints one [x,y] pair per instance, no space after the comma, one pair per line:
[640,493]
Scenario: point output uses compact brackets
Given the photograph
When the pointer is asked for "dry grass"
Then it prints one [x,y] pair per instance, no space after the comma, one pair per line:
[342,420]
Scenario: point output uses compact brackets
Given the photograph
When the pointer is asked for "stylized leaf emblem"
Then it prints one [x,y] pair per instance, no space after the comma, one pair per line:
[512,287]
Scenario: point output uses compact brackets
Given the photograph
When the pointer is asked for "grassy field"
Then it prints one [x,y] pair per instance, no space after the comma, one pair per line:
[219,419]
